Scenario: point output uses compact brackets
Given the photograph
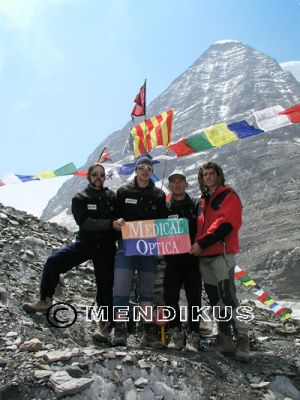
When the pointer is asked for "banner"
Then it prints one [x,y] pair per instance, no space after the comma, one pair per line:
[156,237]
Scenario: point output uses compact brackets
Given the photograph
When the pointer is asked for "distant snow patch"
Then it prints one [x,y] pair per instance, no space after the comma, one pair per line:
[293,67]
[226,41]
[65,220]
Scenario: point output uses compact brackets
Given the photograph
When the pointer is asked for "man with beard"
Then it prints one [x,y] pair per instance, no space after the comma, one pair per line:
[93,210]
[216,244]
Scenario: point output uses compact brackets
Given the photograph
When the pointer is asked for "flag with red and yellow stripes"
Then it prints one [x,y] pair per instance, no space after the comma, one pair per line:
[153,132]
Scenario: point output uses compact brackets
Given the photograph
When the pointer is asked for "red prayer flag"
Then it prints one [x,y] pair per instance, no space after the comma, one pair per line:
[293,113]
[180,148]
[104,157]
[279,312]
[140,107]
[239,274]
[80,173]
[263,297]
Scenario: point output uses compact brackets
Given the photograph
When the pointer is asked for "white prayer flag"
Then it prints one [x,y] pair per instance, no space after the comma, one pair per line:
[269,118]
[10,179]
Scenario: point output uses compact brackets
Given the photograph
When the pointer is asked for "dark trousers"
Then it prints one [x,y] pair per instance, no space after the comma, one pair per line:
[219,284]
[102,256]
[182,270]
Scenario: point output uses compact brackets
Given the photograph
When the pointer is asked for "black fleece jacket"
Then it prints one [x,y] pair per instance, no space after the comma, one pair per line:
[135,203]
[94,212]
[188,208]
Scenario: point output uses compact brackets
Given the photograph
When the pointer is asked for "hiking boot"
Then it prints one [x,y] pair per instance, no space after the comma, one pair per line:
[192,341]
[206,329]
[39,306]
[103,332]
[242,348]
[150,337]
[176,339]
[224,344]
[120,334]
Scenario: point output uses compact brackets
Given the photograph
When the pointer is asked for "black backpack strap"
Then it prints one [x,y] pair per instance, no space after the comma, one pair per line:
[218,200]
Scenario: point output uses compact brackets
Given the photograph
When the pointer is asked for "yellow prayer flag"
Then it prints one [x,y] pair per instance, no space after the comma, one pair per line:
[45,174]
[269,302]
[249,283]
[219,134]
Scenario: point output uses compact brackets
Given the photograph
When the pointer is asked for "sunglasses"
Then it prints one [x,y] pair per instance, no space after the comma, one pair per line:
[98,174]
[144,167]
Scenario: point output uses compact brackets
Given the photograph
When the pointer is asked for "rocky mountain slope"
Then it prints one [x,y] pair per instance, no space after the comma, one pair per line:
[42,362]
[228,83]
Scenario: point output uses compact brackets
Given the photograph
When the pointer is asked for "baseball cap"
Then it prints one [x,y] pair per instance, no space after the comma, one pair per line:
[177,172]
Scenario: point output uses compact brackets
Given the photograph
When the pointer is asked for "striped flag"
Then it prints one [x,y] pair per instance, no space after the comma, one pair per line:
[153,132]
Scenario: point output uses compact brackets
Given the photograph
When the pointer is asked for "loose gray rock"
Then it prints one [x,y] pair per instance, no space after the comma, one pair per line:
[65,385]
[141,382]
[55,356]
[38,374]
[32,345]
[283,387]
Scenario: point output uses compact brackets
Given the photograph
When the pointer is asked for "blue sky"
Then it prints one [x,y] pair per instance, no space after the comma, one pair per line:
[69,69]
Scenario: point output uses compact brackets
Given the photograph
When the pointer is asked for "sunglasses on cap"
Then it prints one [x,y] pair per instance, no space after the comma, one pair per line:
[94,174]
[144,167]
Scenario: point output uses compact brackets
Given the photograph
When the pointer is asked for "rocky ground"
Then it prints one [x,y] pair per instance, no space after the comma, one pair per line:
[39,361]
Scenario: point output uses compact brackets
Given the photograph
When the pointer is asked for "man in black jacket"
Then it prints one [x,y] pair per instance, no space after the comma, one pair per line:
[93,210]
[182,269]
[137,200]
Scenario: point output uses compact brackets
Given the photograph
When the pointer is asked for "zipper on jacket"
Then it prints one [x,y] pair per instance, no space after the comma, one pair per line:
[204,211]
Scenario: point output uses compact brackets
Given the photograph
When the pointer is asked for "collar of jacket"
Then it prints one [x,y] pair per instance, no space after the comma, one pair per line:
[95,191]
[186,200]
[135,183]
[219,190]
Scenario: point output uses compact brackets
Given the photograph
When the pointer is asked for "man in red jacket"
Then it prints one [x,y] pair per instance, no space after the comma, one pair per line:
[216,243]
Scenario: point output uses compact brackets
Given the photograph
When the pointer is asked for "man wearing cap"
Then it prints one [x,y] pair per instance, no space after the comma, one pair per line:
[137,200]
[93,210]
[182,269]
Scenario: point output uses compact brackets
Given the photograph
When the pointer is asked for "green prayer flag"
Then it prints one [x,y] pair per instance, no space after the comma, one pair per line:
[67,169]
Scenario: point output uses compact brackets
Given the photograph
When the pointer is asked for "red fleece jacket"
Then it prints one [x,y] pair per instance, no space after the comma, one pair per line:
[219,222]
